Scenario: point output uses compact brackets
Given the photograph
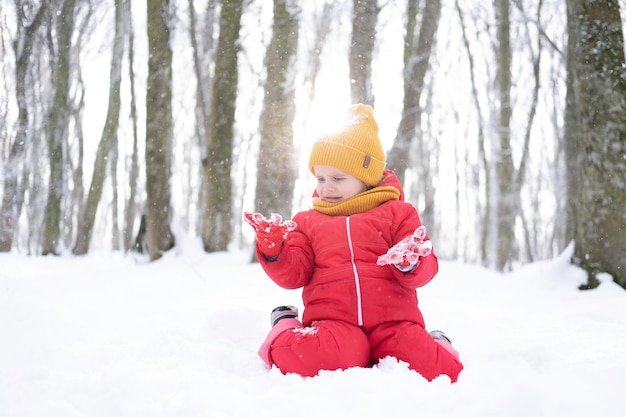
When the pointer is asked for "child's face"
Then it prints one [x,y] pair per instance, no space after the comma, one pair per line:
[334,185]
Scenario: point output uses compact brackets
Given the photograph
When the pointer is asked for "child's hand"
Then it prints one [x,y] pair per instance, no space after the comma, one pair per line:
[406,253]
[270,234]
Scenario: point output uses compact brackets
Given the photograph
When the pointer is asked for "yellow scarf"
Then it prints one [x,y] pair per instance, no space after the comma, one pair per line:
[360,203]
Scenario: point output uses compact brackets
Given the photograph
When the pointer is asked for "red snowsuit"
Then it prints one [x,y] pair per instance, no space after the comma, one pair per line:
[355,312]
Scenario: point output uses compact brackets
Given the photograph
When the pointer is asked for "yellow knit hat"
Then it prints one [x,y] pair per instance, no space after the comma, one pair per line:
[355,150]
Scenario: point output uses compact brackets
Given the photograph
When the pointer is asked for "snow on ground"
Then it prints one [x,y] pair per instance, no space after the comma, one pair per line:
[105,335]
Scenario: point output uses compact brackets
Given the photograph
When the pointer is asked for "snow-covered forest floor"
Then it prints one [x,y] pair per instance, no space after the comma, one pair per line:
[106,335]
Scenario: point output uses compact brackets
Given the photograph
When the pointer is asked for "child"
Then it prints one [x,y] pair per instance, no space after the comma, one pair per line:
[359,255]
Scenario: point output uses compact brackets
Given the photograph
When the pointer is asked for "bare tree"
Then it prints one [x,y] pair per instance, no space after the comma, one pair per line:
[203,50]
[115,185]
[505,199]
[13,190]
[159,130]
[364,18]
[484,210]
[275,165]
[133,176]
[58,128]
[418,46]
[108,139]
[596,137]
[520,176]
[216,224]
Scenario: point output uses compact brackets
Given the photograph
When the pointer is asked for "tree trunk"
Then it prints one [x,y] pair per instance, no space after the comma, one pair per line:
[107,141]
[58,128]
[276,173]
[202,45]
[364,17]
[596,137]
[417,50]
[115,215]
[130,213]
[216,225]
[13,168]
[506,198]
[159,130]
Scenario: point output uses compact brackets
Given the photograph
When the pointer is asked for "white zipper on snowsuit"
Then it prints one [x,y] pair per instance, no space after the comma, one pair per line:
[357,281]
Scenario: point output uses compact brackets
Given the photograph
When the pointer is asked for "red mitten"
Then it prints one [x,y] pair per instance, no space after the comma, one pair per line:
[270,234]
[406,253]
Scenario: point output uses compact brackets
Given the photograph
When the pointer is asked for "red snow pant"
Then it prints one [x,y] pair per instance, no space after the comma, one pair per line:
[332,344]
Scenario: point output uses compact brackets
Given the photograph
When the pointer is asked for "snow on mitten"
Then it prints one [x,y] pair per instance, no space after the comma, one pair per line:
[270,233]
[405,254]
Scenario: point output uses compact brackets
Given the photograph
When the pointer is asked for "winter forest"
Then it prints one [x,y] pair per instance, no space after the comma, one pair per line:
[126,124]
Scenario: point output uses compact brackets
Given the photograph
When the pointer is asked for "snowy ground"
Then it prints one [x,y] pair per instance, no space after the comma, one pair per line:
[104,335]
